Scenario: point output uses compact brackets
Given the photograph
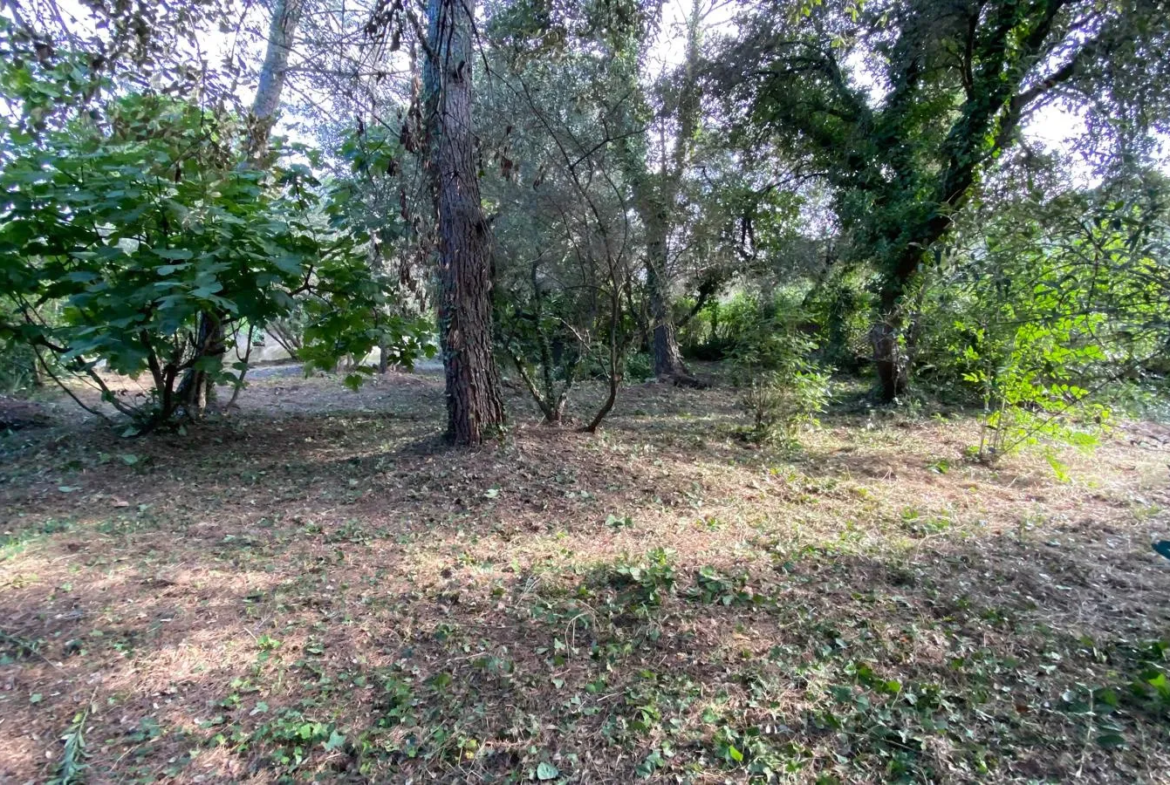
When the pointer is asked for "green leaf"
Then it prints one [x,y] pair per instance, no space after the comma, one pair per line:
[1112,741]
[546,771]
[336,740]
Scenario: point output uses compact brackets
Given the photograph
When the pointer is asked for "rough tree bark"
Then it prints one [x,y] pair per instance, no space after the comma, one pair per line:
[475,408]
[668,361]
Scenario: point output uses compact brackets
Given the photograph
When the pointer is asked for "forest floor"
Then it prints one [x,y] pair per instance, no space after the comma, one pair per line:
[316,589]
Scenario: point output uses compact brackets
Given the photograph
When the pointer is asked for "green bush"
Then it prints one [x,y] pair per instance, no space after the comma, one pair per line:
[639,367]
[143,228]
[18,367]
[782,389]
[1050,311]
[715,332]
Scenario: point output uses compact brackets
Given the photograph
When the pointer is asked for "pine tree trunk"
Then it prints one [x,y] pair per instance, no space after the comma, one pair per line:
[475,408]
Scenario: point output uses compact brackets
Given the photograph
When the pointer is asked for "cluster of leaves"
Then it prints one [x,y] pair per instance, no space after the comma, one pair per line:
[645,583]
[293,735]
[125,233]
[72,767]
[712,586]
[783,389]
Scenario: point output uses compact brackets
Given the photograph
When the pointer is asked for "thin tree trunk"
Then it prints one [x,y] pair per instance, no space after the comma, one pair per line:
[286,16]
[616,356]
[475,408]
[197,388]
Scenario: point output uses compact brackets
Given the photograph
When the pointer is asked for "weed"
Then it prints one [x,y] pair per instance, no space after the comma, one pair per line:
[712,586]
[646,582]
[71,767]
[615,523]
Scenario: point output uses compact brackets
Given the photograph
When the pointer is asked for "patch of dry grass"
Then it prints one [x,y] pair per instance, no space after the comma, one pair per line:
[316,587]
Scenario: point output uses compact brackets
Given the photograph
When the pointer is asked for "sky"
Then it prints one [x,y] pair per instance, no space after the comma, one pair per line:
[1052,127]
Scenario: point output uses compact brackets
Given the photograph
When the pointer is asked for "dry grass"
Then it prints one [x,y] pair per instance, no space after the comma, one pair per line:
[320,564]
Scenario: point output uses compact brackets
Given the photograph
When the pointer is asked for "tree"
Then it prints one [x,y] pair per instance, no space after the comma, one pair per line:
[657,198]
[286,16]
[566,274]
[198,388]
[955,81]
[475,408]
[122,233]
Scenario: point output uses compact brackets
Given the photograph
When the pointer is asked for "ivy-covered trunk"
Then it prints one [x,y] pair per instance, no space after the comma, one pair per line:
[658,203]
[889,357]
[893,343]
[475,408]
[668,361]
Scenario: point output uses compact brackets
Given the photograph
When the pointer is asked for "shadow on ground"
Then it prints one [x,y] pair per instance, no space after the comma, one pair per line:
[317,593]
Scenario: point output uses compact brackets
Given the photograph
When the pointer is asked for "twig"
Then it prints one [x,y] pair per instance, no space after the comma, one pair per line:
[20,642]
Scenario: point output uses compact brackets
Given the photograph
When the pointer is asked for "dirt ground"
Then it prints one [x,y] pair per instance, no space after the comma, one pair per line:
[315,588]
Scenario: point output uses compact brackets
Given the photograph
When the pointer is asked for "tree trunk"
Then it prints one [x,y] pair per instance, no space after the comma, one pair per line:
[475,408]
[286,15]
[668,361]
[890,359]
[198,387]
[657,201]
[893,345]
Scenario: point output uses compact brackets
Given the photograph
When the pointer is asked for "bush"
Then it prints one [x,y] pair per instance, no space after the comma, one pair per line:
[18,367]
[783,391]
[1050,310]
[150,237]
[842,308]
[716,331]
[639,367]
[1031,387]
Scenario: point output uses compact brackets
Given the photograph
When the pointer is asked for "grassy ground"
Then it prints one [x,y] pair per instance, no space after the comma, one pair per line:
[315,589]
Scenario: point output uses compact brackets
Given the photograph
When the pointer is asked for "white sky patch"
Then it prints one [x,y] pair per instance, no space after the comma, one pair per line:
[668,50]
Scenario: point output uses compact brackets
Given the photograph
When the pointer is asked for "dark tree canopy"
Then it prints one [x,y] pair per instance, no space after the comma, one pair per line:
[902,106]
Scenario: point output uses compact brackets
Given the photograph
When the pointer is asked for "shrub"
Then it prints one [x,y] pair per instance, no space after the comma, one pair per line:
[149,236]
[783,391]
[1031,387]
[18,367]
